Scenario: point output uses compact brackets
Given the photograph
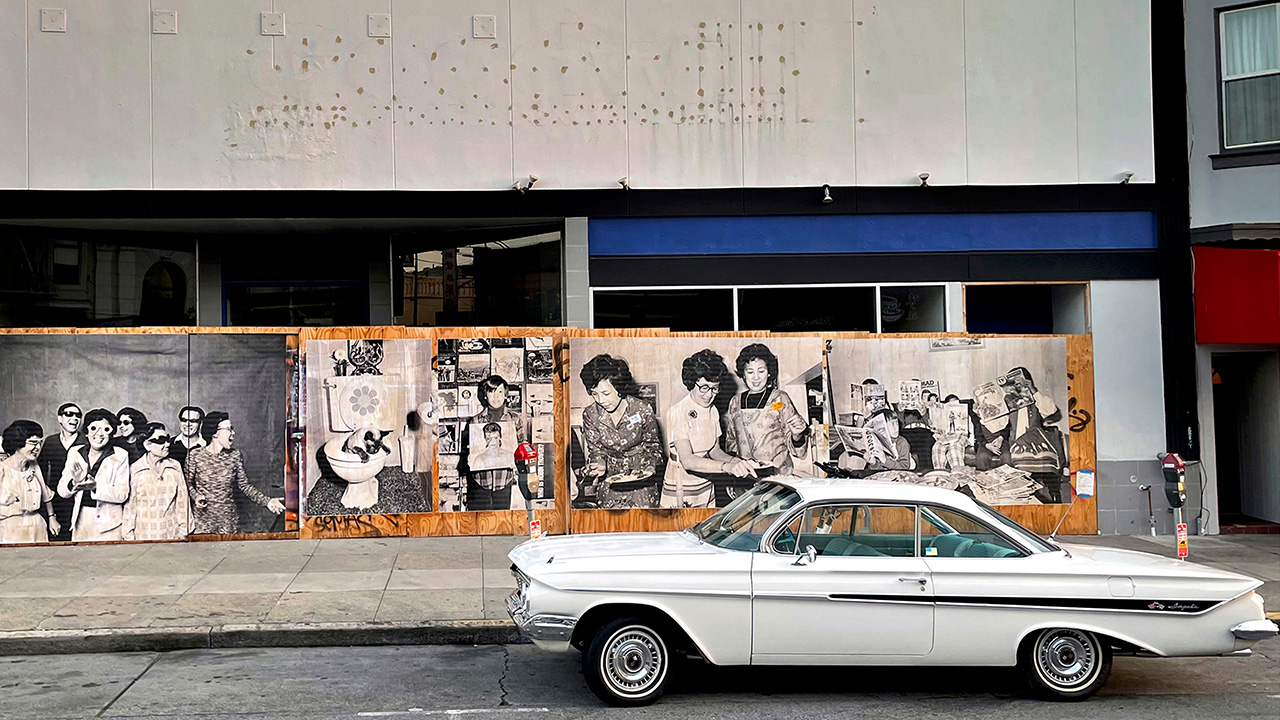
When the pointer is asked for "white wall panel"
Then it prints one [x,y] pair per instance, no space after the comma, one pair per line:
[1113,90]
[1020,91]
[909,78]
[453,96]
[207,83]
[339,121]
[1128,379]
[798,127]
[90,96]
[13,88]
[569,91]
[684,89]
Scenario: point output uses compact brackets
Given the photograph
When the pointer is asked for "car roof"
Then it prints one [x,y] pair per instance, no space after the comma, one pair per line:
[818,489]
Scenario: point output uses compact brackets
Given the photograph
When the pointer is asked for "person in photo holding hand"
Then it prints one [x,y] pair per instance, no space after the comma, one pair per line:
[763,425]
[97,476]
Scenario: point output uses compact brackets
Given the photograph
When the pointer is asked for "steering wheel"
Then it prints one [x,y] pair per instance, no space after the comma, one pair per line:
[785,542]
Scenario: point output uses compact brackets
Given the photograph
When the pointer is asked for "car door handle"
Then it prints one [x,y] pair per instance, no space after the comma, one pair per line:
[919,580]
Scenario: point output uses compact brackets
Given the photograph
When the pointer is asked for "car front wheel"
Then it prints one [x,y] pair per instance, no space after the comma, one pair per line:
[627,662]
[1065,664]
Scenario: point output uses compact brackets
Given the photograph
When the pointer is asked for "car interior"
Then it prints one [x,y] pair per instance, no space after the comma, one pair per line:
[889,531]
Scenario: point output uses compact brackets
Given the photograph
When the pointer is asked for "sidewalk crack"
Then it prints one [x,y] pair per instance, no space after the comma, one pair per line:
[502,681]
[126,689]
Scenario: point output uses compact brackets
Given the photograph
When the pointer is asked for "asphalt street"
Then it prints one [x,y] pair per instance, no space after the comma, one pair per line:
[518,681]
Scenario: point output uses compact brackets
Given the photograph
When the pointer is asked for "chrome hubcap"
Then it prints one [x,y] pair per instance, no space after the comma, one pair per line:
[634,661]
[1066,658]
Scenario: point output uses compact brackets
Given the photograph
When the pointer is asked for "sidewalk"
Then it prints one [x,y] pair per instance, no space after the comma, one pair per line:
[334,592]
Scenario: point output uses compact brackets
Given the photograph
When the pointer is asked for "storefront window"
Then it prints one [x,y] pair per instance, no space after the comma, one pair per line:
[82,278]
[693,310]
[512,282]
[811,309]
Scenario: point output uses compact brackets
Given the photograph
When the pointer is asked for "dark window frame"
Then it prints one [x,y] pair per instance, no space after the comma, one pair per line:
[1234,157]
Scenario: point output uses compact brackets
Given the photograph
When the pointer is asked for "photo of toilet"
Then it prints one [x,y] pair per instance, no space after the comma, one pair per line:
[370,427]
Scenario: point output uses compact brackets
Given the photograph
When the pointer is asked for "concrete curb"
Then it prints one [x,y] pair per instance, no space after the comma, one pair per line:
[443,632]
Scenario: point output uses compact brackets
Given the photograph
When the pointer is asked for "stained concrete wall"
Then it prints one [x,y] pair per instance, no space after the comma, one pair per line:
[669,93]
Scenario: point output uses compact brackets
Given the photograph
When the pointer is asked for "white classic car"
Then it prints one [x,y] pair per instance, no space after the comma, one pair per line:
[843,572]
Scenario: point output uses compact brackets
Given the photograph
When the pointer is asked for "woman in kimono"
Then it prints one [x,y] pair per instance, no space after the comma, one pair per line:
[22,487]
[157,508]
[763,425]
[622,441]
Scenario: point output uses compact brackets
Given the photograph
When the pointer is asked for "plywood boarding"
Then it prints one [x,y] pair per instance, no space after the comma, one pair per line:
[291,342]
[1081,517]
[442,524]
[657,520]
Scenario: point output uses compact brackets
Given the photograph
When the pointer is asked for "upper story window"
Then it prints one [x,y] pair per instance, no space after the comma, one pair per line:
[1249,40]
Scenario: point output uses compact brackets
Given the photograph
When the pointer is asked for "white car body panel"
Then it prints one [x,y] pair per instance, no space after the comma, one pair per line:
[873,610]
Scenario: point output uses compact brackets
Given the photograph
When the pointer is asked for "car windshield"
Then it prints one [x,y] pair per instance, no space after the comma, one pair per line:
[1022,533]
[741,523]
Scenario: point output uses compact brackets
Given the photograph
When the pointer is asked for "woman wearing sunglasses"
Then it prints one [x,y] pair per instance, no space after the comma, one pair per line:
[22,488]
[97,476]
[157,508]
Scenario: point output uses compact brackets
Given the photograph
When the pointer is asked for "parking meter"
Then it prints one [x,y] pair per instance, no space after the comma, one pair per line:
[1175,489]
[1175,479]
[526,462]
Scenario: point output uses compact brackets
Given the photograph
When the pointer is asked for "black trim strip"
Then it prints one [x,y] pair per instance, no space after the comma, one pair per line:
[597,203]
[1167,606]
[631,271]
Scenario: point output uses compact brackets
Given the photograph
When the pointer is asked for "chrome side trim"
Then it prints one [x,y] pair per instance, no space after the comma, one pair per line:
[1238,653]
[658,591]
[540,627]
[1255,630]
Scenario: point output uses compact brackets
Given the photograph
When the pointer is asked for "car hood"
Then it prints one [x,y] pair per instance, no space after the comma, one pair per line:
[562,548]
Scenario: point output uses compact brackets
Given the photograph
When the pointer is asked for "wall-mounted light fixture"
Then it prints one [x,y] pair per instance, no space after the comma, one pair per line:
[625,182]
[1125,177]
[532,179]
[826,195]
[924,179]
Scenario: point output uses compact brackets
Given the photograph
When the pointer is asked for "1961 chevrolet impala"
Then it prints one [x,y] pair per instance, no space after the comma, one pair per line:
[841,572]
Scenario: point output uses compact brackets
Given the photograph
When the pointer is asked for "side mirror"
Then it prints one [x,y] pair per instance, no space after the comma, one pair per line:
[809,556]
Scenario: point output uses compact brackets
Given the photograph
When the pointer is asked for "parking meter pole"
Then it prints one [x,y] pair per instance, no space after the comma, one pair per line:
[526,462]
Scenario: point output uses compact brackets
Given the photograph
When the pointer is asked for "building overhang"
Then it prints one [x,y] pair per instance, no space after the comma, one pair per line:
[1237,295]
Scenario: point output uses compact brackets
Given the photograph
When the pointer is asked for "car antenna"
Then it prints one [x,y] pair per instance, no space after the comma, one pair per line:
[1062,520]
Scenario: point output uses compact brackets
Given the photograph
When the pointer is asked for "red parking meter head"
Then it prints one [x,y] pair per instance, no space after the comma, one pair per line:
[1173,461]
[526,454]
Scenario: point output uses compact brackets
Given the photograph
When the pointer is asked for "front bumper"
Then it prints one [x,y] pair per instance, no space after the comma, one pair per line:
[1255,630]
[541,627]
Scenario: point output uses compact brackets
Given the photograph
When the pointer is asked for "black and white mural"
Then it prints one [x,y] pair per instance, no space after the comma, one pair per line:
[493,394]
[691,422]
[141,437]
[981,415]
[370,427]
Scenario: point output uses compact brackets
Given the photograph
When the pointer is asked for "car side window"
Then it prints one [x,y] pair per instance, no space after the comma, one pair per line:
[784,542]
[946,533]
[859,530]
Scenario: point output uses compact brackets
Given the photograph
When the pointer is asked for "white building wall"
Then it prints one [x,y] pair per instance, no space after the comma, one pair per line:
[670,93]
[1129,404]
[1128,376]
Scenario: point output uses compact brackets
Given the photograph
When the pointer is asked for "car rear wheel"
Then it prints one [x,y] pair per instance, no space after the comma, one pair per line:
[1065,664]
[627,662]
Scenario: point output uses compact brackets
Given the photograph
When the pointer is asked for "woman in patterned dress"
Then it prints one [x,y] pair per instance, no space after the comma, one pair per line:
[22,487]
[213,472]
[158,506]
[621,435]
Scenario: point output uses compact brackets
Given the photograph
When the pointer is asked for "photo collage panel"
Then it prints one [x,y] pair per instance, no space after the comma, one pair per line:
[492,395]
